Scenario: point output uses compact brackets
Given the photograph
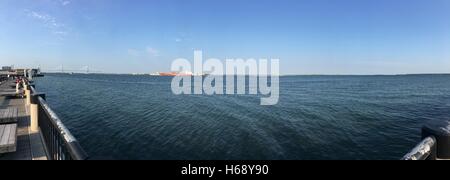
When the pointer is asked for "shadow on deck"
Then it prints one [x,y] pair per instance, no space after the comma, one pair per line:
[29,145]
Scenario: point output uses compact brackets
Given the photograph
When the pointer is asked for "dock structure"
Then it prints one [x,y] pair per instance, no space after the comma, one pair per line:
[29,129]
[15,123]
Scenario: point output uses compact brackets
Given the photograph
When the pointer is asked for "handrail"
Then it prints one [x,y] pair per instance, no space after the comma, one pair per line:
[435,144]
[76,152]
[423,150]
[59,142]
[32,90]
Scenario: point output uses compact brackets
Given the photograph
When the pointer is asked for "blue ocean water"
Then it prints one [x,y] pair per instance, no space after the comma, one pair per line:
[317,117]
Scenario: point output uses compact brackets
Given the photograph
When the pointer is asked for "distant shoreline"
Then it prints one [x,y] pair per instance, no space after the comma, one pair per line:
[422,74]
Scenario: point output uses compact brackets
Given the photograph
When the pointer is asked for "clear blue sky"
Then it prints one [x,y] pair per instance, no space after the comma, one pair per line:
[308,36]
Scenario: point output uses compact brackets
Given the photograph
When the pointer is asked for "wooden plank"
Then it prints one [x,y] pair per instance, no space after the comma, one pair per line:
[2,129]
[7,89]
[12,138]
[4,148]
[8,141]
[16,114]
[9,115]
[2,114]
[5,137]
[8,94]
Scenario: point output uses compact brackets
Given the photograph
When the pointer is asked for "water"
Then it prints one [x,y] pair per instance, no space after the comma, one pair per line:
[318,117]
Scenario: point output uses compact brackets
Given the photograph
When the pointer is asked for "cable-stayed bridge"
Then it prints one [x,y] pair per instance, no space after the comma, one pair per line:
[62,69]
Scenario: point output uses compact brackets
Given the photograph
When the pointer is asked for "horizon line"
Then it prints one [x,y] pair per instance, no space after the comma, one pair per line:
[399,74]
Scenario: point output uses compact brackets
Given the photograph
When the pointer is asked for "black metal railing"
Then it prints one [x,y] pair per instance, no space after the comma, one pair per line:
[59,142]
[435,142]
[425,150]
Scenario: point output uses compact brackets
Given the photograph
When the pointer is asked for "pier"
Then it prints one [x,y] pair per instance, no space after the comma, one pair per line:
[29,128]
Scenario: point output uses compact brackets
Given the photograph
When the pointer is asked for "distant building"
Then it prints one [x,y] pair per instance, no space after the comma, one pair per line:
[6,68]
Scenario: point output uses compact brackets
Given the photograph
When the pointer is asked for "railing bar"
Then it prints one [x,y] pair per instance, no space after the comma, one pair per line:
[61,144]
[423,150]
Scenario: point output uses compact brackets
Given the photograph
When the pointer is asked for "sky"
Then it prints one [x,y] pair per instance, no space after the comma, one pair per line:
[308,36]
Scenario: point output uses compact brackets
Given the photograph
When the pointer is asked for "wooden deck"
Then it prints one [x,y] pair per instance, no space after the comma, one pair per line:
[8,137]
[29,146]
[9,115]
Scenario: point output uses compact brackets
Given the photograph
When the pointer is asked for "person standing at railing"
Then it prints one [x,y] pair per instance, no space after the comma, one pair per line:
[19,86]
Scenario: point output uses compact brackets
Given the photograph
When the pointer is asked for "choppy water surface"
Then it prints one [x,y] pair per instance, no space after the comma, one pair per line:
[318,117]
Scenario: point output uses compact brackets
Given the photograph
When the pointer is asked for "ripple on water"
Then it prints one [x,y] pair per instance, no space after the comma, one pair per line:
[318,117]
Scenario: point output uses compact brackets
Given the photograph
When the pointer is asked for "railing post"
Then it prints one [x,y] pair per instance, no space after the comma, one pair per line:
[441,131]
[24,84]
[28,94]
[34,111]
[17,88]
